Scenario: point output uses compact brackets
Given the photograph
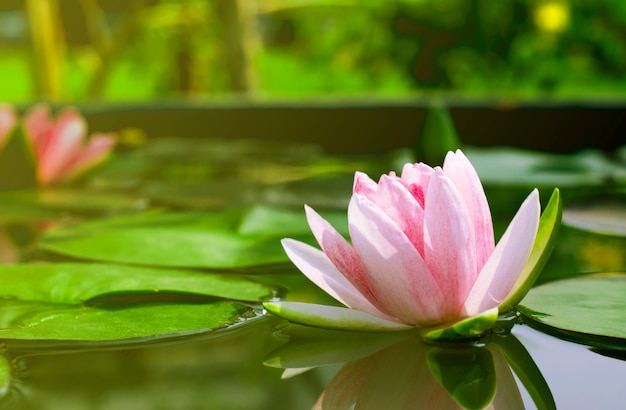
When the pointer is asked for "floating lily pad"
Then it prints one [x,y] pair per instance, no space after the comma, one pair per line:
[606,216]
[92,302]
[49,204]
[5,375]
[222,239]
[88,323]
[20,206]
[518,167]
[79,282]
[589,309]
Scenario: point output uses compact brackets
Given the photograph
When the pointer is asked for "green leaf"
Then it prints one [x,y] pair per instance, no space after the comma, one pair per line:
[605,216]
[85,323]
[78,282]
[92,302]
[332,317]
[23,206]
[587,309]
[184,239]
[53,203]
[5,375]
[544,243]
[438,136]
[225,239]
[507,167]
[469,328]
[280,222]
[88,200]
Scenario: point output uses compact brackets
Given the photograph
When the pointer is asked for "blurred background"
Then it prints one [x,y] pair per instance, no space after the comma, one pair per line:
[146,50]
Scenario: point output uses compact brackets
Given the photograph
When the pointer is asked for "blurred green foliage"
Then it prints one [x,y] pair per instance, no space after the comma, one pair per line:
[154,49]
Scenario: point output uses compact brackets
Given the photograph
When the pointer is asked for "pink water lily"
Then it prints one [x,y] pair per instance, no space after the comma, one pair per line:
[61,148]
[422,249]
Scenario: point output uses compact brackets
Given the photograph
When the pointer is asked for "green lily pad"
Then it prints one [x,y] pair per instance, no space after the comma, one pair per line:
[589,309]
[524,168]
[224,239]
[79,282]
[50,204]
[5,375]
[19,207]
[603,216]
[88,323]
[95,302]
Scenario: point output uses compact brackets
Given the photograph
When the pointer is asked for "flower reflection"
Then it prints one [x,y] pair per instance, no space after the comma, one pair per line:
[413,374]
[9,252]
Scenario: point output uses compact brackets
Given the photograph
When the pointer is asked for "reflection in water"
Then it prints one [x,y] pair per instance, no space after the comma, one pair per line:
[9,253]
[413,374]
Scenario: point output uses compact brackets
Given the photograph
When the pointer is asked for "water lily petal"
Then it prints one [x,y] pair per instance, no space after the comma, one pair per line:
[404,210]
[340,252]
[545,240]
[99,147]
[63,144]
[416,174]
[457,167]
[364,185]
[37,124]
[320,270]
[394,269]
[449,246]
[331,317]
[499,274]
[416,178]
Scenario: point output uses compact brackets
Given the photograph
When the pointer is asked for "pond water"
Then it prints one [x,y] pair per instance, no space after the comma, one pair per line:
[225,371]
[75,336]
